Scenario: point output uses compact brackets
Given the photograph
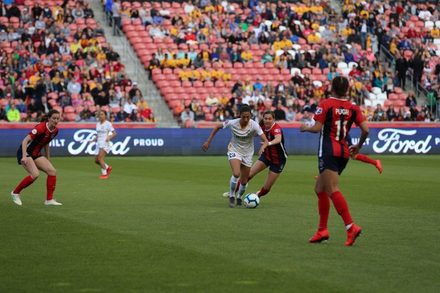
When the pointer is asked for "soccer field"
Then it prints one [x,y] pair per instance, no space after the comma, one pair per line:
[161,224]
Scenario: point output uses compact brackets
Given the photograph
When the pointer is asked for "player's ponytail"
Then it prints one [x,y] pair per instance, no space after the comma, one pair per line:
[49,114]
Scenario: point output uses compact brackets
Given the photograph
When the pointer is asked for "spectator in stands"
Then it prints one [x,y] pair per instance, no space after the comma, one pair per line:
[74,87]
[279,97]
[3,115]
[290,114]
[401,69]
[187,118]
[13,114]
[129,111]
[307,117]
[116,14]
[379,114]
[279,112]
[86,115]
[391,113]
[411,100]
[145,113]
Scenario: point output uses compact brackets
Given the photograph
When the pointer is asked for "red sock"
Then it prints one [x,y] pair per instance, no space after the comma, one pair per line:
[341,207]
[324,209]
[365,159]
[28,180]
[263,191]
[50,186]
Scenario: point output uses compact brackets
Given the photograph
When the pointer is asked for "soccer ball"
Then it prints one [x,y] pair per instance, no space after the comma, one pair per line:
[251,200]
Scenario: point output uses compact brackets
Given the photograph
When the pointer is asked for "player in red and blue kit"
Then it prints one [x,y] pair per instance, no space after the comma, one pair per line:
[334,118]
[274,156]
[30,157]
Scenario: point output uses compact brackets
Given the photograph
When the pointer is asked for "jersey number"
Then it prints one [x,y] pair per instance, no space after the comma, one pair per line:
[341,125]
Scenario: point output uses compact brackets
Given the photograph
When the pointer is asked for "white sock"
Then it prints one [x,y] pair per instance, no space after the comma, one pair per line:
[241,190]
[232,185]
[104,171]
[347,227]
[106,166]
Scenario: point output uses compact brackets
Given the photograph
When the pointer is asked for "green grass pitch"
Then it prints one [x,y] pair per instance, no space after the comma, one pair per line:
[160,224]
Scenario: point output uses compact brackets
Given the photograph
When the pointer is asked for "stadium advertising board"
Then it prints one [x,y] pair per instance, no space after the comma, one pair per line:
[77,140]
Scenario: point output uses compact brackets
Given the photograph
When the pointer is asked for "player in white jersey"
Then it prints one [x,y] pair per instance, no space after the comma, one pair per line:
[240,149]
[104,134]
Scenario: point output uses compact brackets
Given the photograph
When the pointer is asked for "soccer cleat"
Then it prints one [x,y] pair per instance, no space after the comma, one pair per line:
[52,202]
[320,235]
[103,176]
[16,198]
[225,194]
[379,166]
[109,170]
[239,202]
[231,202]
[352,234]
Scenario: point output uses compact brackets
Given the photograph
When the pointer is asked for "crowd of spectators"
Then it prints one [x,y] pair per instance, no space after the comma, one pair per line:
[308,39]
[54,55]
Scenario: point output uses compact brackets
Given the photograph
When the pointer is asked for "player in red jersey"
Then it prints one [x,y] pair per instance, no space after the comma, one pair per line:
[334,118]
[274,156]
[30,157]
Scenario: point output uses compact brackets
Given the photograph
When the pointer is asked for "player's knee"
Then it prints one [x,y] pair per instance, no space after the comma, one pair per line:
[52,172]
[35,175]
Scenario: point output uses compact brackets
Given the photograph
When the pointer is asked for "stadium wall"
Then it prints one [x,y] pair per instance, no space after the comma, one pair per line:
[146,140]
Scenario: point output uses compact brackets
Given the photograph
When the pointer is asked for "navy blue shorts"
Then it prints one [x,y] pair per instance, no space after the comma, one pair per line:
[336,164]
[276,168]
[20,156]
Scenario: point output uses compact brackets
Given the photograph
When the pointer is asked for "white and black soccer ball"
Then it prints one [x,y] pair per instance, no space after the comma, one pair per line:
[251,201]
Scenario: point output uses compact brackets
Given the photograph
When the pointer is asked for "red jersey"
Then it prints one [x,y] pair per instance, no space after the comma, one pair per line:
[41,136]
[275,153]
[337,117]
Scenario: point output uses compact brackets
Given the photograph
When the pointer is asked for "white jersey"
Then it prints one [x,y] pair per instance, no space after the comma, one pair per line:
[102,132]
[242,140]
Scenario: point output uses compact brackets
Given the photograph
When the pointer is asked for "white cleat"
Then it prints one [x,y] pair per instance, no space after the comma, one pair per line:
[16,198]
[226,194]
[52,202]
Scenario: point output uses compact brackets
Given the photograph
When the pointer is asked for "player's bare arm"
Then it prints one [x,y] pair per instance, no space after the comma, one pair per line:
[354,149]
[46,151]
[276,140]
[264,144]
[24,145]
[314,129]
[111,136]
[214,131]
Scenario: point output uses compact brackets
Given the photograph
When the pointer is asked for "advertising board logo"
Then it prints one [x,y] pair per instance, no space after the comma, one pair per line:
[401,141]
[83,143]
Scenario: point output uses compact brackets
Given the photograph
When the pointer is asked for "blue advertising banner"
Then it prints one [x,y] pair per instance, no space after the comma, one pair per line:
[77,141]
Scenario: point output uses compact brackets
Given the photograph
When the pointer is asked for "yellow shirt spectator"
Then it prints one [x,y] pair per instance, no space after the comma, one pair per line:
[206,75]
[393,48]
[313,38]
[246,56]
[33,80]
[195,74]
[185,74]
[169,62]
[74,47]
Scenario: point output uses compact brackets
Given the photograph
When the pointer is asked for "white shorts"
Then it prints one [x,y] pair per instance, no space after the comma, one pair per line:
[245,159]
[106,147]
